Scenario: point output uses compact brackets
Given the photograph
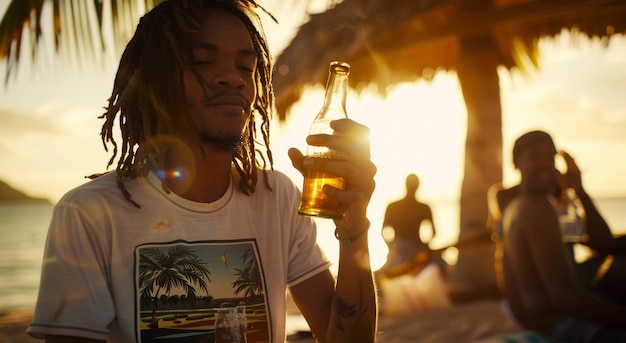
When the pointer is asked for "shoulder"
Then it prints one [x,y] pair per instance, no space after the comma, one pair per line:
[275,179]
[280,177]
[100,191]
[530,213]
[504,196]
[536,204]
[423,205]
[273,184]
[394,206]
[98,185]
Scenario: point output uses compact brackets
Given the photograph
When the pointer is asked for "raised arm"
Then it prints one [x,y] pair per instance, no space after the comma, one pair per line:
[352,304]
[553,268]
[600,236]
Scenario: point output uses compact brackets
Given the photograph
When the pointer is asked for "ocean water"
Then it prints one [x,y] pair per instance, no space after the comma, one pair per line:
[23,229]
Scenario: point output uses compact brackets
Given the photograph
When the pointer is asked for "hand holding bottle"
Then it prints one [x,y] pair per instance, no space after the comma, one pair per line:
[338,173]
[315,202]
[357,170]
[571,178]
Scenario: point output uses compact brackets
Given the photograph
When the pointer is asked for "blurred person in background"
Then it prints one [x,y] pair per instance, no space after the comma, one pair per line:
[540,283]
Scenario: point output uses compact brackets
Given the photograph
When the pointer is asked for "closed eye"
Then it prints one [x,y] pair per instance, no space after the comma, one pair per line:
[202,62]
[247,62]
[247,69]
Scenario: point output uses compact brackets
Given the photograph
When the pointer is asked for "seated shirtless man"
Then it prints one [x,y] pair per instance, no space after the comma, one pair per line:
[540,286]
[605,248]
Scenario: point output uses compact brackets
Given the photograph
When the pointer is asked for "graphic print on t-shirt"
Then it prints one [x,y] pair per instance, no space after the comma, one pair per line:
[200,292]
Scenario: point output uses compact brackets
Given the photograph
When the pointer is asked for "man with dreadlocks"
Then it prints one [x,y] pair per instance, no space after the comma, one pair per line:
[181,231]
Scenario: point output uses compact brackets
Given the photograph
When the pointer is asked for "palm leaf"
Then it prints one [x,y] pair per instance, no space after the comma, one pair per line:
[78,27]
[17,18]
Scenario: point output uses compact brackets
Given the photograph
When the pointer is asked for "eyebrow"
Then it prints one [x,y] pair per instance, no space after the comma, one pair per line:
[213,47]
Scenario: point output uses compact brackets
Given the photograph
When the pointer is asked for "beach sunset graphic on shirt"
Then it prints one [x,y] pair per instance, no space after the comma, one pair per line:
[181,286]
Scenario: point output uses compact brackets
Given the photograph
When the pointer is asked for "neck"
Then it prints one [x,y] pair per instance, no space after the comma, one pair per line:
[532,191]
[196,176]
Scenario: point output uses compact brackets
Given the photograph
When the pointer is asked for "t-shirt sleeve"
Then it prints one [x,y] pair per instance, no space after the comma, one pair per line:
[306,258]
[74,297]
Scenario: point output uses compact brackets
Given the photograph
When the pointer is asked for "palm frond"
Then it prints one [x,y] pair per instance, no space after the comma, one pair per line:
[78,27]
[20,15]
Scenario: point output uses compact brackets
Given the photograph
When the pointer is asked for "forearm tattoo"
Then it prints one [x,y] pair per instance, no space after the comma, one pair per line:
[344,310]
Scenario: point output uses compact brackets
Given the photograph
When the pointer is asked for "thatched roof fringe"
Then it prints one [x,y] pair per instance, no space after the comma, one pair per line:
[581,13]
[386,46]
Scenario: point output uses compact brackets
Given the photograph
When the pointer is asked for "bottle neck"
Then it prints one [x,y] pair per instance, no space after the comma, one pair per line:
[336,92]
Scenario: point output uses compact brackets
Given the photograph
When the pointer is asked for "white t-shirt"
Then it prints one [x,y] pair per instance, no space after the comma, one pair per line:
[157,273]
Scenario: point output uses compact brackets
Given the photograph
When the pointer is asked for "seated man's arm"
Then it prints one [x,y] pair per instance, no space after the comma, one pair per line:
[600,236]
[550,260]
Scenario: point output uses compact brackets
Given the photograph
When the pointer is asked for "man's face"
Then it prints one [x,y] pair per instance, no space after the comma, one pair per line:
[224,57]
[536,164]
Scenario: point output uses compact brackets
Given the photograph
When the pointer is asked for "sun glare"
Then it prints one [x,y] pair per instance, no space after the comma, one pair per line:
[418,128]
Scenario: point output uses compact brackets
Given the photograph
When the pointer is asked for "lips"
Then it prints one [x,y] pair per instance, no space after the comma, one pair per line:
[228,103]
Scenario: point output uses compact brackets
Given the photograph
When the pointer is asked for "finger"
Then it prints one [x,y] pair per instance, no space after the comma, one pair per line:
[346,146]
[569,162]
[559,178]
[354,172]
[352,135]
[347,196]
[296,158]
[349,127]
[349,137]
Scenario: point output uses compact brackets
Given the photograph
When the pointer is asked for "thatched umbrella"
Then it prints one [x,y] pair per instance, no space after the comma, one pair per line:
[392,41]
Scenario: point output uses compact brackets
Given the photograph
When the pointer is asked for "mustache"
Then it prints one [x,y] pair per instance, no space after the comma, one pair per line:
[228,98]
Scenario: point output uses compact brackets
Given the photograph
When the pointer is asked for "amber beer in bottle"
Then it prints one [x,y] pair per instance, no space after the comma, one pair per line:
[314,201]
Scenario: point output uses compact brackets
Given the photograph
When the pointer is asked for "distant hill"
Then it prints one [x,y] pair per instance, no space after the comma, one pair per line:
[8,193]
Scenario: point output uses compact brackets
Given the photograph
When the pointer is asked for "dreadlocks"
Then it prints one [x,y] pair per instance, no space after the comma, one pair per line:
[148,90]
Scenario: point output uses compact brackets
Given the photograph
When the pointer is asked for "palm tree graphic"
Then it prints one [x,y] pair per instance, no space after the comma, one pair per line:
[161,270]
[249,278]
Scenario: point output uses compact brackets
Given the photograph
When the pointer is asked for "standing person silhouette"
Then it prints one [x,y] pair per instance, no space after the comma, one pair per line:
[404,218]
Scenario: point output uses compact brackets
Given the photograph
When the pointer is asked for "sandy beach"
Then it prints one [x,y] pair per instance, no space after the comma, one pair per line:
[477,321]
[13,325]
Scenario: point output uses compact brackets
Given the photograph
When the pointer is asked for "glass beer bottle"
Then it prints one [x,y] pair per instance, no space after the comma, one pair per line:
[572,217]
[314,201]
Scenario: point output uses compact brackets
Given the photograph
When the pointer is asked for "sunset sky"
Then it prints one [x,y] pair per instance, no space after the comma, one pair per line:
[49,133]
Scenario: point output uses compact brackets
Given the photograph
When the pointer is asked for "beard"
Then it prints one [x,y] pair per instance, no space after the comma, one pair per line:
[226,142]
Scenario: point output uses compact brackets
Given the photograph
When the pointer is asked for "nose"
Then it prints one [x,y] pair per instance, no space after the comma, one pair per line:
[546,163]
[227,75]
